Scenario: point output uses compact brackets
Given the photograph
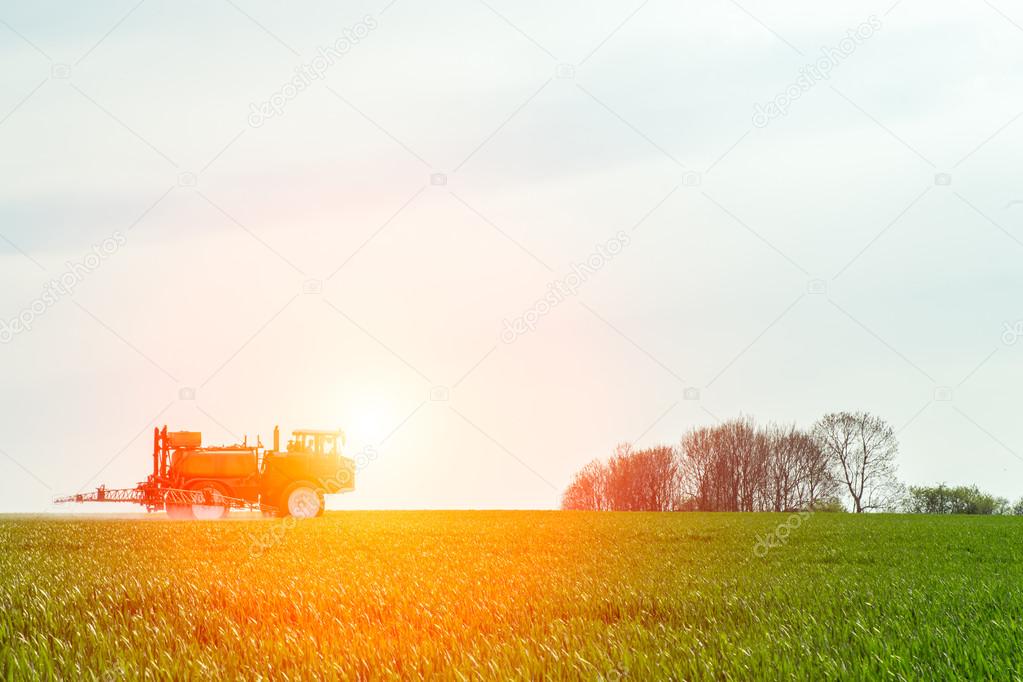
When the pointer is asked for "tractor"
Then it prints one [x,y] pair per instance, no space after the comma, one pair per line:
[190,481]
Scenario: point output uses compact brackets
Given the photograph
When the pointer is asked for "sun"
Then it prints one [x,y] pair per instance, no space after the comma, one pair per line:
[369,423]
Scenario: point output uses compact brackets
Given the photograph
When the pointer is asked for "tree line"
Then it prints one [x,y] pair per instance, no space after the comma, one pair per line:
[846,460]
[742,466]
[943,499]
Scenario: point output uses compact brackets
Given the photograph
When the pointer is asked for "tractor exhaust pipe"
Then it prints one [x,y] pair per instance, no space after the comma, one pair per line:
[277,439]
[156,452]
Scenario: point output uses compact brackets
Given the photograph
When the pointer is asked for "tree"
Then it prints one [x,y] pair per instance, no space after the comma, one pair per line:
[656,476]
[861,449]
[623,480]
[942,499]
[697,469]
[783,469]
[738,466]
[744,453]
[741,466]
[588,489]
[642,480]
[724,468]
[818,486]
[798,474]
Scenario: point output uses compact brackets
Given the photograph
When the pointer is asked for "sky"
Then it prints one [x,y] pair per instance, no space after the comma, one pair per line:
[493,239]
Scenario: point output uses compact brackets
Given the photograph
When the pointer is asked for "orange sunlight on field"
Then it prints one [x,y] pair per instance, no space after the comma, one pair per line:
[511,595]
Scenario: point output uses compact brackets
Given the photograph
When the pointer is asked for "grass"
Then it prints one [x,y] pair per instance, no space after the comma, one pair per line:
[512,595]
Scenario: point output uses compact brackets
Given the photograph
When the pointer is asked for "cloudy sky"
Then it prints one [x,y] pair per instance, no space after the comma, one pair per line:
[811,208]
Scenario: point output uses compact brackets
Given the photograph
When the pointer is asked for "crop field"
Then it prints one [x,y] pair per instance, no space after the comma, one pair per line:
[497,595]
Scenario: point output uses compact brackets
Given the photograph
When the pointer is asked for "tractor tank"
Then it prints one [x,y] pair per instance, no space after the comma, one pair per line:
[214,463]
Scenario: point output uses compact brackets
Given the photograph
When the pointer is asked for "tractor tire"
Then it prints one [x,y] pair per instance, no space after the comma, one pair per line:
[301,500]
[179,512]
[210,512]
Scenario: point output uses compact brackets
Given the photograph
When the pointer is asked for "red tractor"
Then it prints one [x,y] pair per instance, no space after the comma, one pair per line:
[190,481]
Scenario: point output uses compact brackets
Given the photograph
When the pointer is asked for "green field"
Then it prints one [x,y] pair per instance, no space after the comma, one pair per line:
[467,595]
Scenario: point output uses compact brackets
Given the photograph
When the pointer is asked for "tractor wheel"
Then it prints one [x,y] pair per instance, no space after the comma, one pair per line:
[179,512]
[301,500]
[212,512]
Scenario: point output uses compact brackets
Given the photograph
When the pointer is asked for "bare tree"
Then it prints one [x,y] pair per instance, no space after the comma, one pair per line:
[658,473]
[642,480]
[739,466]
[784,471]
[744,454]
[817,481]
[697,470]
[623,481]
[861,448]
[588,489]
[798,476]
[724,468]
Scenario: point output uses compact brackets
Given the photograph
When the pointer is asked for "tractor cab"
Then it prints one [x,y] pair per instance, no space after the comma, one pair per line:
[314,442]
[295,478]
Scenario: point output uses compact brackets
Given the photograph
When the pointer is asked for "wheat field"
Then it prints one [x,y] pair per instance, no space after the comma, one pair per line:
[520,595]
